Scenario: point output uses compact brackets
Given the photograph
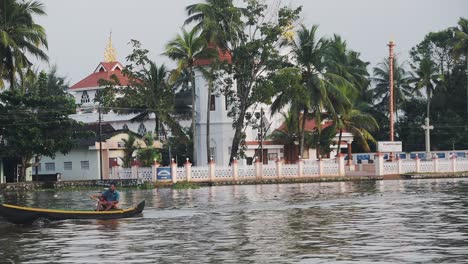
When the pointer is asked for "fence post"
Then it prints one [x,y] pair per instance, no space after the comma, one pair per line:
[399,165]
[135,165]
[154,170]
[320,168]
[378,161]
[188,170]
[258,169]
[454,163]
[341,164]
[300,167]
[418,164]
[279,168]
[212,170]
[174,171]
[235,169]
[435,162]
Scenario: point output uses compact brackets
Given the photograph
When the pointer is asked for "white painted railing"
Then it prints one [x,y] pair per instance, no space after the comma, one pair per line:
[279,170]
[145,174]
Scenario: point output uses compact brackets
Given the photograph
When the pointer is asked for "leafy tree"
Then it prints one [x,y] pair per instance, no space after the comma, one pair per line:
[461,49]
[20,37]
[37,123]
[255,59]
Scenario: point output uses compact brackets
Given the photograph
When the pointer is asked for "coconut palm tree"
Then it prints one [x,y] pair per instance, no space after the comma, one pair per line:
[186,49]
[461,48]
[219,21]
[402,85]
[20,37]
[426,78]
[322,86]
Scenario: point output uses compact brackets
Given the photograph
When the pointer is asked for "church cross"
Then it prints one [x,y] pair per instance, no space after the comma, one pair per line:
[428,129]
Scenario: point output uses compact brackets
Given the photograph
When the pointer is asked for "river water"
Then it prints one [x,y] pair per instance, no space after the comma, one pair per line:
[412,221]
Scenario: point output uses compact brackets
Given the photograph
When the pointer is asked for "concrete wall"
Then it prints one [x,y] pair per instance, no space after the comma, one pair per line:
[75,156]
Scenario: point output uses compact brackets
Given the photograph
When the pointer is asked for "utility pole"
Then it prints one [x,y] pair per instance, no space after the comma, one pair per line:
[100,143]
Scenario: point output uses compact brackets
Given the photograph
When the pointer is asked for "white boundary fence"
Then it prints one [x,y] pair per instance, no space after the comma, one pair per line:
[279,170]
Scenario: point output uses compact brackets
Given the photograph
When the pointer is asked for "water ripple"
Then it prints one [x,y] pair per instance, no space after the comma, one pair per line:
[422,221]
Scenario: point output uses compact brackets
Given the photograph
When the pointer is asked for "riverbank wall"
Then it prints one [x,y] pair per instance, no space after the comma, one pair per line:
[134,183]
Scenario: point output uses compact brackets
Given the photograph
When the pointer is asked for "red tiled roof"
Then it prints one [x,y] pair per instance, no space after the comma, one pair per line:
[103,71]
[310,125]
[224,56]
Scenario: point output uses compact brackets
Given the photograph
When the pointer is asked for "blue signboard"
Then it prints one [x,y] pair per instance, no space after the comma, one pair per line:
[164,174]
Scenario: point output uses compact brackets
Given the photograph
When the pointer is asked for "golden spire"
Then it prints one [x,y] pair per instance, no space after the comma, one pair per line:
[109,53]
[288,32]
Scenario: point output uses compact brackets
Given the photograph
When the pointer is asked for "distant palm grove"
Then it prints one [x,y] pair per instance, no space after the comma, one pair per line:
[274,60]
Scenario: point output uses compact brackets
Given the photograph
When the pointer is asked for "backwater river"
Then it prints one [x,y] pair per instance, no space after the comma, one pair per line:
[405,221]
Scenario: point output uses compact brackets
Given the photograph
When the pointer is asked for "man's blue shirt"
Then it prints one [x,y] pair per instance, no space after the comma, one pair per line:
[111,196]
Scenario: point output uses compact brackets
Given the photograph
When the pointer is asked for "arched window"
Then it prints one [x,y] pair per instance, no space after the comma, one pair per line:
[141,130]
[125,127]
[84,97]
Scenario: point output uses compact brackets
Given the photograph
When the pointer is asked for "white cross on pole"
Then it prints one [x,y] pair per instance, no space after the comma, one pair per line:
[428,128]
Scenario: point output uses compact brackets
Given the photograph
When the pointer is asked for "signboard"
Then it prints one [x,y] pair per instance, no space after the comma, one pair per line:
[164,174]
[389,146]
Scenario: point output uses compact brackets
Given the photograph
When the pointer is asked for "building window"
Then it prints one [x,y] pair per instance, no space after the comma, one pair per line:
[67,165]
[84,97]
[125,127]
[142,129]
[84,165]
[212,102]
[39,167]
[213,153]
[50,166]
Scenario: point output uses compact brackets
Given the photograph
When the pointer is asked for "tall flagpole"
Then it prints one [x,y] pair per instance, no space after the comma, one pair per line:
[390,76]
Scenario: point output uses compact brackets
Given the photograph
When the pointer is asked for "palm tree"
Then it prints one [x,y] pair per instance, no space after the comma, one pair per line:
[426,78]
[461,48]
[186,49]
[219,21]
[349,117]
[130,146]
[310,54]
[20,37]
[402,85]
[288,135]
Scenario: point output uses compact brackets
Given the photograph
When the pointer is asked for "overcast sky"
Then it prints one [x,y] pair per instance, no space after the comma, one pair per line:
[77,31]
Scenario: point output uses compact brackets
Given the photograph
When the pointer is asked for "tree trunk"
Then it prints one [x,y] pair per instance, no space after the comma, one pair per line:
[302,133]
[237,136]
[208,117]
[339,142]
[24,165]
[194,127]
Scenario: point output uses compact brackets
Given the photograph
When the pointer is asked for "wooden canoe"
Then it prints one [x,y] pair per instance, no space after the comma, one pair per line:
[27,215]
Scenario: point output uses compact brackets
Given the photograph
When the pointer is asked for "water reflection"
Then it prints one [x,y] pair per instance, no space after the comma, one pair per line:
[421,221]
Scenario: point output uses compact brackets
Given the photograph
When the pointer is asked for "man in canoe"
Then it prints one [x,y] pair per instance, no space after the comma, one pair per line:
[108,199]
